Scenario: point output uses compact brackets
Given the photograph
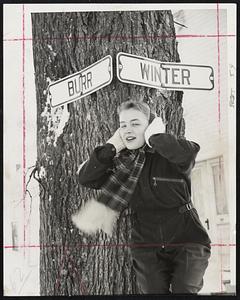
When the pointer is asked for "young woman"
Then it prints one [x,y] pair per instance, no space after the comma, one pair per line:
[142,167]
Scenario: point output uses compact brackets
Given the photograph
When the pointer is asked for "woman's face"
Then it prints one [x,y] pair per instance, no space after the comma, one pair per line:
[133,124]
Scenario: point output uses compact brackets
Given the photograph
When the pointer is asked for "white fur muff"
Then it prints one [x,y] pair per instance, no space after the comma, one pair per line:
[94,216]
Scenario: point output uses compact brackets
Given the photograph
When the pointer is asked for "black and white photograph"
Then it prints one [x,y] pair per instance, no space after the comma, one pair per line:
[119,154]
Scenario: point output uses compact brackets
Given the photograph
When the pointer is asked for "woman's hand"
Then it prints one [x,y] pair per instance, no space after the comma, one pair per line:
[155,127]
[117,141]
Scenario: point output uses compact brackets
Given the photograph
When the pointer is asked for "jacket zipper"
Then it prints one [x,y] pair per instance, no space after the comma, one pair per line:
[180,180]
[162,240]
[155,179]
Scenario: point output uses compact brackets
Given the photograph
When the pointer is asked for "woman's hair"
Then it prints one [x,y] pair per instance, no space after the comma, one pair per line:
[138,105]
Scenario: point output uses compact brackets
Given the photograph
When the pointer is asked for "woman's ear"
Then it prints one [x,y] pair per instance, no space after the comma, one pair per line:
[152,117]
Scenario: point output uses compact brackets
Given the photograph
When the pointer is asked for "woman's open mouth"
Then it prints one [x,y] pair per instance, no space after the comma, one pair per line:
[130,138]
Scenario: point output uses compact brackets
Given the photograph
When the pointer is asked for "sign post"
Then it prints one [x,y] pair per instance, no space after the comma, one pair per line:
[81,84]
[163,75]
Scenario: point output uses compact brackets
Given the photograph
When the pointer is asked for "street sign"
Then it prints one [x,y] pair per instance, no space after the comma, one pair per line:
[81,84]
[163,75]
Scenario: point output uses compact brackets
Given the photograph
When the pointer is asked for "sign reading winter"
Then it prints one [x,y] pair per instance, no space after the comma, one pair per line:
[152,73]
[81,84]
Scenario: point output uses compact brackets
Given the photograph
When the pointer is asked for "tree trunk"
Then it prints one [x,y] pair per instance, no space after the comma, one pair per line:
[72,263]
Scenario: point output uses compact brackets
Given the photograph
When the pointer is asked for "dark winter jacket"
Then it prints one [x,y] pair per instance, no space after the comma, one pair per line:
[163,187]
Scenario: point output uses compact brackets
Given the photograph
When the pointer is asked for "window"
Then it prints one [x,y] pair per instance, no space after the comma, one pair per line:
[197,191]
[219,188]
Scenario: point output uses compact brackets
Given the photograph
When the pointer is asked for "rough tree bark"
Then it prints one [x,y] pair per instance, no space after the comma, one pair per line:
[72,263]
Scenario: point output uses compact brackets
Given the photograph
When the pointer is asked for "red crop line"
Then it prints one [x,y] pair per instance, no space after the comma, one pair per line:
[82,286]
[219,125]
[115,245]
[24,121]
[124,37]
[57,282]
[83,289]
[221,270]
[218,57]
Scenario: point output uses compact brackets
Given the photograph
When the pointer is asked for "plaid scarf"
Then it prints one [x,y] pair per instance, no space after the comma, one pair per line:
[117,191]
